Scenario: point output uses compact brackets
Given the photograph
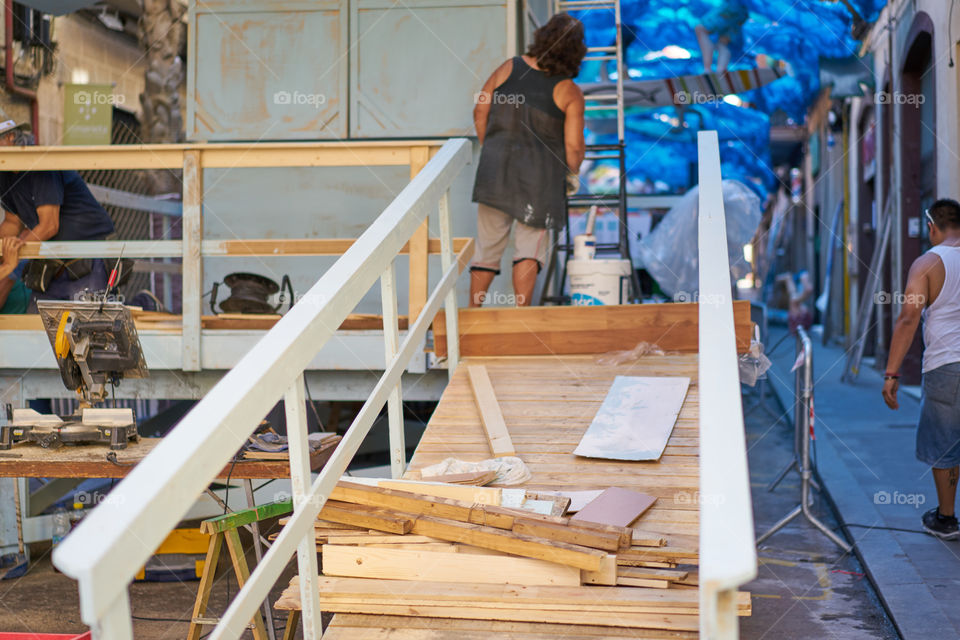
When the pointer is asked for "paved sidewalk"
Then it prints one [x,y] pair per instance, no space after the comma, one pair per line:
[866,461]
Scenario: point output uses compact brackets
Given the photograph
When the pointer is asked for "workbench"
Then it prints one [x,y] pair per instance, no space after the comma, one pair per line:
[90,461]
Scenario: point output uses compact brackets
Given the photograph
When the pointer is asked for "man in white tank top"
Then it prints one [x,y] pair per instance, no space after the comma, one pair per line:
[933,295]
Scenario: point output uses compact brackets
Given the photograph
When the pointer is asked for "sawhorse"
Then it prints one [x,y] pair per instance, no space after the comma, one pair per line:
[224,528]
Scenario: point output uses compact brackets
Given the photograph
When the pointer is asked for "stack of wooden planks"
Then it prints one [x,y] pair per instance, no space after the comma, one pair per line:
[484,562]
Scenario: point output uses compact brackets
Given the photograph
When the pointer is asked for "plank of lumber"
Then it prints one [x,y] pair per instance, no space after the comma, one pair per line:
[593,539]
[385,539]
[617,506]
[597,535]
[490,415]
[348,626]
[419,266]
[654,564]
[606,575]
[572,597]
[410,502]
[667,554]
[509,542]
[674,621]
[379,519]
[447,547]
[554,331]
[636,418]
[647,539]
[643,582]
[477,478]
[471,494]
[323,524]
[433,566]
[644,573]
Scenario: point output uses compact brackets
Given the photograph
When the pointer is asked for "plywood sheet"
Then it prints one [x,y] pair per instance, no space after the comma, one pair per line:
[555,331]
[617,506]
[636,419]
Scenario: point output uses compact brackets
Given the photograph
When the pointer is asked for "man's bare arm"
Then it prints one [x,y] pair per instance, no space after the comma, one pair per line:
[915,297]
[573,141]
[481,109]
[10,247]
[11,225]
[47,227]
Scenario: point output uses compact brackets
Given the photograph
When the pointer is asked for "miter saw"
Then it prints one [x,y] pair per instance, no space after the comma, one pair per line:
[96,346]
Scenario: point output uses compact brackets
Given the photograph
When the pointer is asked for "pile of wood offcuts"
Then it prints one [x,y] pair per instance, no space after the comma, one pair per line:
[408,553]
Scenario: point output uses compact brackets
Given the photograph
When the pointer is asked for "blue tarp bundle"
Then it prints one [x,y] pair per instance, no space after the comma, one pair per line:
[660,42]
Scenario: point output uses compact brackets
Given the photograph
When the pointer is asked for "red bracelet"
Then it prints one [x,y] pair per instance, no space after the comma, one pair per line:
[891,376]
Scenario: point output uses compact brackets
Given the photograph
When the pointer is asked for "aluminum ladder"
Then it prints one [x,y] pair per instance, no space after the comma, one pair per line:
[557,268]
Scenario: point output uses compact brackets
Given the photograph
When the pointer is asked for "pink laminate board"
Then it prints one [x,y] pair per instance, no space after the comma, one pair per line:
[616,506]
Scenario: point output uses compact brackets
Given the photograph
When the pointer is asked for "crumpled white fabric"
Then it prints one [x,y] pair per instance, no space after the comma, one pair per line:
[510,469]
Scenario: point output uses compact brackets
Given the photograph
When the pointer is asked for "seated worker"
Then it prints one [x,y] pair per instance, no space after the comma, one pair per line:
[51,205]
[529,119]
[14,296]
[725,23]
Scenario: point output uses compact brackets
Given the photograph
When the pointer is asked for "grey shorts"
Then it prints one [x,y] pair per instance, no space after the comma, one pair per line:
[938,433]
[493,231]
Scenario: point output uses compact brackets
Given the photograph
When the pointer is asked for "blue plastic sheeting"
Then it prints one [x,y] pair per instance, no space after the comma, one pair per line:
[660,42]
[662,157]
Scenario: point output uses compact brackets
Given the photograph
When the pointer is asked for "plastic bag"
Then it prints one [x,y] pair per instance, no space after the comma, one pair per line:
[669,252]
[612,358]
[510,469]
[753,364]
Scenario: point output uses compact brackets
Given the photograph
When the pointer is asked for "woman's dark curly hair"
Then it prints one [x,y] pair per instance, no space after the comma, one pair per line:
[558,46]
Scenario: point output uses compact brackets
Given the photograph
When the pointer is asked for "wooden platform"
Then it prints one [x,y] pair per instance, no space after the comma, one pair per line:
[547,404]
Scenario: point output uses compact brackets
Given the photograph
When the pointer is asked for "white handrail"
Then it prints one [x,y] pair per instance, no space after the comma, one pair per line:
[116,539]
[728,556]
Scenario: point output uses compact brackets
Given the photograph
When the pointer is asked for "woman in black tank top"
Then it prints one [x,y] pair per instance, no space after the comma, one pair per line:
[532,136]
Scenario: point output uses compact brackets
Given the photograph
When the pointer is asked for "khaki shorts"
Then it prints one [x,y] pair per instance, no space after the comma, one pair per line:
[493,231]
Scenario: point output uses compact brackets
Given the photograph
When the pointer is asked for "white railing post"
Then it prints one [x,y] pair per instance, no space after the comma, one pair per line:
[116,623]
[391,343]
[295,408]
[192,231]
[728,554]
[450,304]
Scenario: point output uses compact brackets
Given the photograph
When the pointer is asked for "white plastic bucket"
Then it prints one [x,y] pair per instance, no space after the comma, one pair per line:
[584,247]
[597,282]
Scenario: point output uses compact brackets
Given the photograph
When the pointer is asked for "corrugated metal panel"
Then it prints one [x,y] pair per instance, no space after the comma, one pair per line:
[267,70]
[278,69]
[416,67]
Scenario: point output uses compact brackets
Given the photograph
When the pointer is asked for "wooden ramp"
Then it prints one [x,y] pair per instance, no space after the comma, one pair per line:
[547,403]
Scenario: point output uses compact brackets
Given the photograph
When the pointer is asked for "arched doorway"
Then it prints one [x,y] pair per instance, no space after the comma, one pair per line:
[917,104]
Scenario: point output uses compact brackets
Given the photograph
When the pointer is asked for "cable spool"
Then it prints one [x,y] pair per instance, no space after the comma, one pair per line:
[249,293]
